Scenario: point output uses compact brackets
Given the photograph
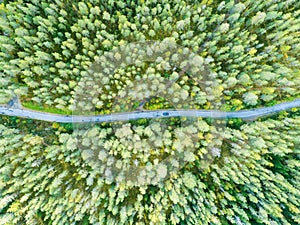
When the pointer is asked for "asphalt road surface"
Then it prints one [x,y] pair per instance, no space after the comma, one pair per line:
[243,114]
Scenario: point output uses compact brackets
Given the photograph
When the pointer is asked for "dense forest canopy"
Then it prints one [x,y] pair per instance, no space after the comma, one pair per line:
[116,56]
[250,48]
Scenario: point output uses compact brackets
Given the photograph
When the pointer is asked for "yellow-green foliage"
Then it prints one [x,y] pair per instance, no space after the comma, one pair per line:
[254,180]
[199,174]
[48,46]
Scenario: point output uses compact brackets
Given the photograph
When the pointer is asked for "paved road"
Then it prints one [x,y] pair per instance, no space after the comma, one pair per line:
[243,114]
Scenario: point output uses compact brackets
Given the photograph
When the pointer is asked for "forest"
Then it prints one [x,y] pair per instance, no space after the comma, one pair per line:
[87,57]
[250,50]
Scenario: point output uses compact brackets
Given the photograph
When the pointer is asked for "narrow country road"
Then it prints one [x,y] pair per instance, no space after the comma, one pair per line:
[242,114]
